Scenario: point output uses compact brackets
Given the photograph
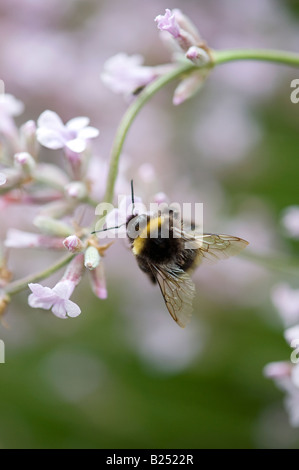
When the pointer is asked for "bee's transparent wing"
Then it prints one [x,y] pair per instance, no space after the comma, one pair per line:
[216,247]
[178,292]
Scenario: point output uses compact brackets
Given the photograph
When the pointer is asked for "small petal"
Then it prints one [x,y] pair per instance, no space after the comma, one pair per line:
[98,282]
[59,310]
[286,300]
[50,120]
[187,88]
[160,198]
[88,133]
[10,106]
[64,289]
[2,178]
[76,145]
[277,370]
[126,74]
[35,302]
[50,138]
[19,239]
[167,22]
[291,335]
[72,309]
[147,173]
[290,220]
[77,123]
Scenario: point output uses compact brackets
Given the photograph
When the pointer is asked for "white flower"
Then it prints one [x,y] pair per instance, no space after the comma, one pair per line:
[2,178]
[53,134]
[286,300]
[290,221]
[56,299]
[125,74]
[10,106]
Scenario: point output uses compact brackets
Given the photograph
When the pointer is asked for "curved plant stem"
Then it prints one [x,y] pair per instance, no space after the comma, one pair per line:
[18,286]
[278,57]
[218,57]
[129,117]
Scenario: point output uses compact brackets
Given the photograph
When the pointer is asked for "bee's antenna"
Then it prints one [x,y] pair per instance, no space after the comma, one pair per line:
[132,197]
[107,228]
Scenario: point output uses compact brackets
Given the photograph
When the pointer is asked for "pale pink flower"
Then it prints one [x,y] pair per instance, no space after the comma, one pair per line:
[125,74]
[9,107]
[180,27]
[19,239]
[2,179]
[117,218]
[286,300]
[98,281]
[292,335]
[72,136]
[286,377]
[56,299]
[188,87]
[290,221]
[278,370]
[167,22]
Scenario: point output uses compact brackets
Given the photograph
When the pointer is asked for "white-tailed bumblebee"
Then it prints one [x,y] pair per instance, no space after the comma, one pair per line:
[168,262]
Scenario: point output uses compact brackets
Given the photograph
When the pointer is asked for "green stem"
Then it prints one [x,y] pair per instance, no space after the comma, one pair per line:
[129,117]
[218,57]
[18,286]
[280,57]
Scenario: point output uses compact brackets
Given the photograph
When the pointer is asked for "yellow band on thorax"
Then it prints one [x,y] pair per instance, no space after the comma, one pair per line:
[150,231]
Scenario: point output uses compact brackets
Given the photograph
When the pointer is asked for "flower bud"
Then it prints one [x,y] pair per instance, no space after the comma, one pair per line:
[74,270]
[25,162]
[73,244]
[76,190]
[28,138]
[91,258]
[188,87]
[52,226]
[198,56]
[9,177]
[98,281]
[51,175]
[278,370]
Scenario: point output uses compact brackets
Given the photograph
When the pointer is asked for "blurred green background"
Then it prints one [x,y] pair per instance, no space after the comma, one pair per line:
[96,381]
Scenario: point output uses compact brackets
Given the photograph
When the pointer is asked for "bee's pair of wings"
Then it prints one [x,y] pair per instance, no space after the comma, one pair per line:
[176,285]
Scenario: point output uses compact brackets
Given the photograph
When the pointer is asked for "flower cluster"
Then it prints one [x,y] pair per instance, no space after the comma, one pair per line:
[286,373]
[57,193]
[126,75]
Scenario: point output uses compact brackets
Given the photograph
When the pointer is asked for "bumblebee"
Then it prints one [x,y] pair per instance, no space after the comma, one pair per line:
[168,262]
[172,254]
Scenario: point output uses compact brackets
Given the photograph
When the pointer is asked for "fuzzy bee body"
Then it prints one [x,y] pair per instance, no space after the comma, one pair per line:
[161,253]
